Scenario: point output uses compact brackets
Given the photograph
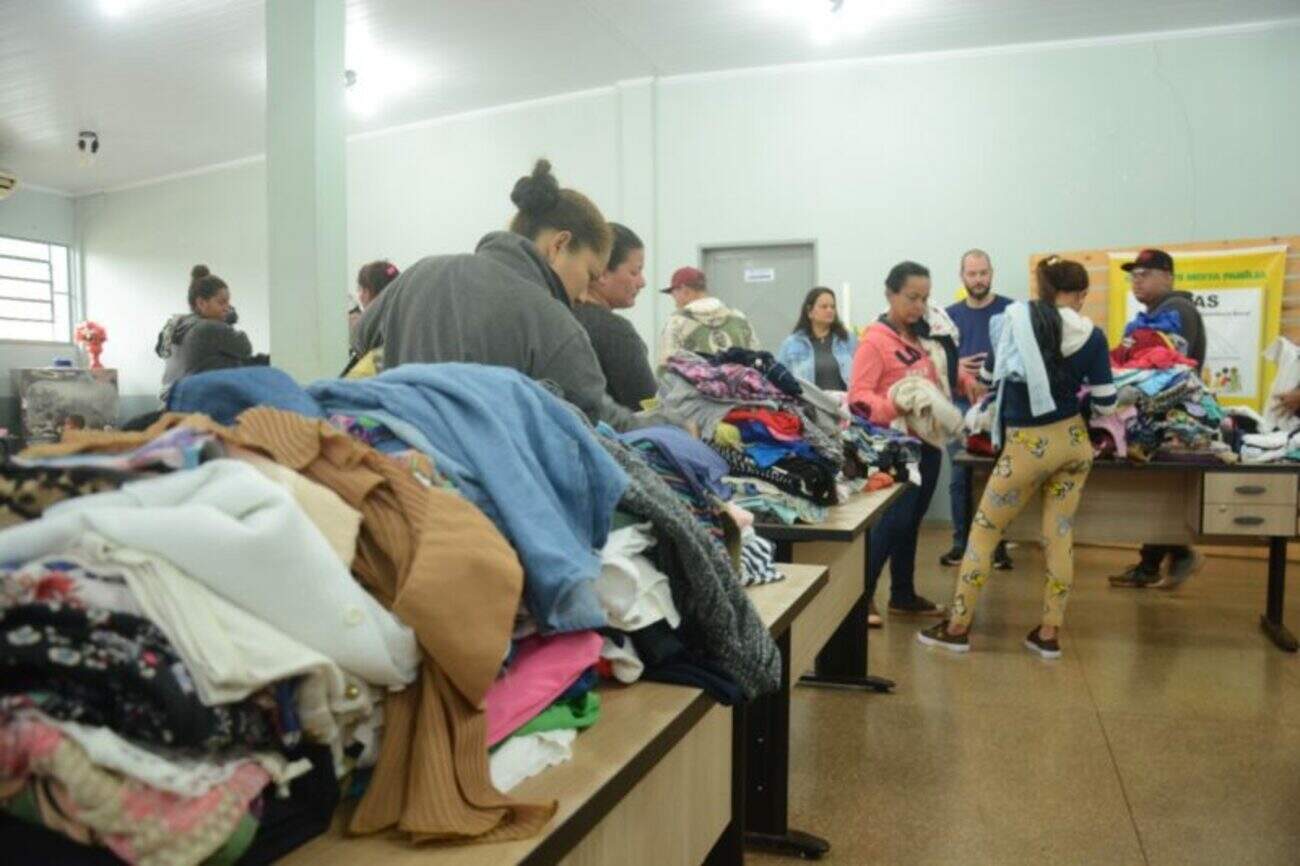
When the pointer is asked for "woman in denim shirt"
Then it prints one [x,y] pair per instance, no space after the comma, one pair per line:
[821,349]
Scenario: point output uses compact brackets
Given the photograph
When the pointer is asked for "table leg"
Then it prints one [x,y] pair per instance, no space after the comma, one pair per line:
[842,663]
[767,774]
[1271,621]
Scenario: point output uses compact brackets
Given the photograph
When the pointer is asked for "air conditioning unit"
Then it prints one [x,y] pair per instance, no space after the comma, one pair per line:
[8,183]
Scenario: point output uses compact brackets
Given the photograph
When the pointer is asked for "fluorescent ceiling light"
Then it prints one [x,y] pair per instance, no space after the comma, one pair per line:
[117,8]
[830,20]
[381,75]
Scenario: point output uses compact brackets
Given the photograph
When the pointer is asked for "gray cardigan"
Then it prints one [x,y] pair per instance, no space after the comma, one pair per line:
[190,344]
[502,305]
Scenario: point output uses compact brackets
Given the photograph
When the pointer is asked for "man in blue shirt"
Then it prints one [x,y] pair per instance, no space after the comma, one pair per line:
[972,316]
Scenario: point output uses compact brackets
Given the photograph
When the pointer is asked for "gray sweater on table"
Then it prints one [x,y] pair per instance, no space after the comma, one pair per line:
[502,305]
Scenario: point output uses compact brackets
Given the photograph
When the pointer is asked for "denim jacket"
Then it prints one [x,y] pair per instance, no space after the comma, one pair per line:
[796,353]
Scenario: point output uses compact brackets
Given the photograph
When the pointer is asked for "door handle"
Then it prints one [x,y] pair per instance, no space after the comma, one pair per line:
[1248,521]
[1252,489]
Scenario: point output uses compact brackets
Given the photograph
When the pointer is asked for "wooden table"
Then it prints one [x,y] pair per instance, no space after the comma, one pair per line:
[830,638]
[1181,503]
[621,799]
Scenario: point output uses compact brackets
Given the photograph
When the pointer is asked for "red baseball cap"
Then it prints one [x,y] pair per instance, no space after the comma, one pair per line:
[1151,260]
[688,276]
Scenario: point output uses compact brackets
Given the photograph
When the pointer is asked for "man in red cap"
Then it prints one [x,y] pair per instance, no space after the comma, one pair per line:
[701,323]
[1152,274]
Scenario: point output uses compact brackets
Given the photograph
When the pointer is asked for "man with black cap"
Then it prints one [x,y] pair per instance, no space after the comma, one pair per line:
[1152,275]
[701,323]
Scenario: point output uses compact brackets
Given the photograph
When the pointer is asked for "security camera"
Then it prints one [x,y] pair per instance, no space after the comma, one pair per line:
[88,142]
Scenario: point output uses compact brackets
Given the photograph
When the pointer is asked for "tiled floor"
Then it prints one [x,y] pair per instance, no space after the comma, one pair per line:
[1169,734]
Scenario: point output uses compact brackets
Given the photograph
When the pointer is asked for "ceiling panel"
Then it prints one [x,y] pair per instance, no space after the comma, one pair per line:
[175,85]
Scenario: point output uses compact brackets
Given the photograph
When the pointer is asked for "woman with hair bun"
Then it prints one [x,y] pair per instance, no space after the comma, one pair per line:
[205,338]
[509,303]
[371,280]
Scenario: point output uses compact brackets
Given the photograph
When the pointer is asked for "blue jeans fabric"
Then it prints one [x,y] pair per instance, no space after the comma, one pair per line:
[894,537]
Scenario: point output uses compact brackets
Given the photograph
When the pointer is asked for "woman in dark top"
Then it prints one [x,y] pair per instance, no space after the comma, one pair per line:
[205,338]
[821,349]
[619,348]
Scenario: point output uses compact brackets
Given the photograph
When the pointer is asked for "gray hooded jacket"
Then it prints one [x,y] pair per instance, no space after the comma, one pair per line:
[191,344]
[502,305]
[1193,329]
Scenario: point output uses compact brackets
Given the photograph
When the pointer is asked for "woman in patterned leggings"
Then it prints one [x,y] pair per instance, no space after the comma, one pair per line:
[1043,352]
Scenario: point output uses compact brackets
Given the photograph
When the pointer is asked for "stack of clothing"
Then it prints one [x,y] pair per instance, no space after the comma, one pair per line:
[396,587]
[881,456]
[780,437]
[695,473]
[1166,412]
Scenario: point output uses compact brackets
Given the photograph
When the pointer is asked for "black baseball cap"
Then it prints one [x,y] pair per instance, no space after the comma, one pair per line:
[1151,260]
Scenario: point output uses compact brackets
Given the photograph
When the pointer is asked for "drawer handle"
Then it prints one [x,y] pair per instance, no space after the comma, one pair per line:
[1248,521]
[1252,489]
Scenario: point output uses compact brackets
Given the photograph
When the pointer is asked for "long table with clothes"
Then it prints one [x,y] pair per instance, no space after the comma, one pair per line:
[621,799]
[401,592]
[1174,502]
[830,640]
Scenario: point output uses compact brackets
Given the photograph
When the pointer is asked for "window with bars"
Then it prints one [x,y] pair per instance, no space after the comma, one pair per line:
[35,292]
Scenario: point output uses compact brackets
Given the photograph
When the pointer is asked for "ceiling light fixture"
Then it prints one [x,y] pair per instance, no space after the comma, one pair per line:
[374,76]
[117,8]
[830,20]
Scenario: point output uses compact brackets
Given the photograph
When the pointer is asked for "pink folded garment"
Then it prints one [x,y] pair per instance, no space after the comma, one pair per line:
[1116,425]
[543,669]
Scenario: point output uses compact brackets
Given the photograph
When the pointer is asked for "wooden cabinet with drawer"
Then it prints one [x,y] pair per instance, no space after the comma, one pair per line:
[1246,503]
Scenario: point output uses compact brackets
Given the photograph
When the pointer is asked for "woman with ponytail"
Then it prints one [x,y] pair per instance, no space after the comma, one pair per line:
[371,280]
[1044,352]
[204,338]
[509,303]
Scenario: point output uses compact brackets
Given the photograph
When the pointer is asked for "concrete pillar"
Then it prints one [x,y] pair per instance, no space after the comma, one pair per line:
[306,181]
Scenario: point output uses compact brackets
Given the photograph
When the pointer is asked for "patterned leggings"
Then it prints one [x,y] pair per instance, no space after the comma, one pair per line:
[1056,459]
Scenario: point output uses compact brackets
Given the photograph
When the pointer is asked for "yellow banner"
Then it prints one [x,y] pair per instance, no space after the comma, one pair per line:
[1239,295]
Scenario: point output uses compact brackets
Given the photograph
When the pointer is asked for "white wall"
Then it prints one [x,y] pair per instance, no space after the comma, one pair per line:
[434,188]
[37,216]
[138,246]
[1019,151]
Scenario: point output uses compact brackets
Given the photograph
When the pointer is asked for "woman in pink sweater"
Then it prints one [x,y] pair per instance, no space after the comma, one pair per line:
[894,347]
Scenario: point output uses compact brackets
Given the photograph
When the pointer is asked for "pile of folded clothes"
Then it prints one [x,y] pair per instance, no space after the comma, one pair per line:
[881,456]
[780,436]
[404,589]
[695,472]
[1165,412]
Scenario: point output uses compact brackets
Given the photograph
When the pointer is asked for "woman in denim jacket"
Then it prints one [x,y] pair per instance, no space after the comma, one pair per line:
[820,349]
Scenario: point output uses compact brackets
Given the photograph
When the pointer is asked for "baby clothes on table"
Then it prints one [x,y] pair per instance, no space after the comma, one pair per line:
[575,714]
[632,591]
[274,562]
[757,560]
[543,669]
[117,670]
[618,659]
[139,824]
[26,491]
[522,757]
